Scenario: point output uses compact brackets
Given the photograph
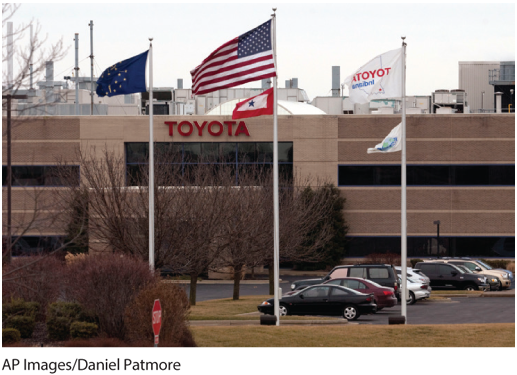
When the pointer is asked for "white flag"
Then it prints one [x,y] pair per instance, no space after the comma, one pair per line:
[392,143]
[380,78]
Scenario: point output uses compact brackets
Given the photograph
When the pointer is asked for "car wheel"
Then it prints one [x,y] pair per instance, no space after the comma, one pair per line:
[470,287]
[350,312]
[283,310]
[412,299]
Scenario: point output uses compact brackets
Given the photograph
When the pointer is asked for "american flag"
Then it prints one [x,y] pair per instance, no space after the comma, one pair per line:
[247,58]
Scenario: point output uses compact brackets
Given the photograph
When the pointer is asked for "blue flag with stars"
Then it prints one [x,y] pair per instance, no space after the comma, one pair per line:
[125,77]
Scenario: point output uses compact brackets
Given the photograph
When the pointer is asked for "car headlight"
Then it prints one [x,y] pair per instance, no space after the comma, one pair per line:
[293,286]
[505,275]
[265,303]
[482,279]
[494,280]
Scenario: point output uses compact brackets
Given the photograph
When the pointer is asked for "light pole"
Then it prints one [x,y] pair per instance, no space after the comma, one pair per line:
[437,223]
[482,101]
[9,98]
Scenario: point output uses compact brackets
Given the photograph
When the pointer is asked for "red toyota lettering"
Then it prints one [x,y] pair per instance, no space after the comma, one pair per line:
[191,128]
[200,128]
[219,132]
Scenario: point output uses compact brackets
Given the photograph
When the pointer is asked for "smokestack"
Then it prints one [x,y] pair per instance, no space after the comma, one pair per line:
[335,80]
[294,83]
[266,83]
[180,83]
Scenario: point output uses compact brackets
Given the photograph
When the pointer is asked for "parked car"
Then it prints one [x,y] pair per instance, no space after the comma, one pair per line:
[384,296]
[448,276]
[478,266]
[492,280]
[414,274]
[323,300]
[382,274]
[417,290]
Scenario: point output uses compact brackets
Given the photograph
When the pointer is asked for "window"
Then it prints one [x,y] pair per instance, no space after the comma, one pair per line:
[427,268]
[356,285]
[44,175]
[245,156]
[379,273]
[444,269]
[340,272]
[317,292]
[358,272]
[427,175]
[339,292]
[335,282]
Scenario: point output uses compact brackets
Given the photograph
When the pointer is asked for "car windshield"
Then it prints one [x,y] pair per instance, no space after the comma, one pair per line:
[352,291]
[463,268]
[484,264]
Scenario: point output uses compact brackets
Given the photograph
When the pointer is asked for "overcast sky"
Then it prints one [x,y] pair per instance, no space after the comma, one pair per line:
[310,38]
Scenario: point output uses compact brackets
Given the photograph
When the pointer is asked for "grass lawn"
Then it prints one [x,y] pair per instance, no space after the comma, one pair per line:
[228,309]
[446,335]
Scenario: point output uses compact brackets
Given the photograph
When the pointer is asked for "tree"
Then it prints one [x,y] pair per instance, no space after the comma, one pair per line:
[33,54]
[332,251]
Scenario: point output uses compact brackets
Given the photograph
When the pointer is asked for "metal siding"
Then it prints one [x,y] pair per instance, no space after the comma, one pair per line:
[473,78]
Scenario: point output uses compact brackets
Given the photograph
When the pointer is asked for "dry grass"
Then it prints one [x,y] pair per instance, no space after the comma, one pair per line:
[228,309]
[458,335]
[471,292]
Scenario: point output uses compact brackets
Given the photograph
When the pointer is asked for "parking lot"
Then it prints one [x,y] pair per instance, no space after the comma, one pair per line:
[457,310]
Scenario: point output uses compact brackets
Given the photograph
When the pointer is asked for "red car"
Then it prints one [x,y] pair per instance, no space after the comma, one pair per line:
[384,296]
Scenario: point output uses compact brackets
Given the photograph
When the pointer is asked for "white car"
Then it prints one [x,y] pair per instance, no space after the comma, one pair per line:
[417,290]
[414,274]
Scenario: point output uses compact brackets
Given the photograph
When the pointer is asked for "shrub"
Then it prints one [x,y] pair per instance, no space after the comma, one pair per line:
[511,267]
[58,328]
[24,324]
[175,310]
[33,278]
[383,258]
[19,307]
[415,261]
[497,263]
[69,310]
[60,316]
[105,284]
[83,330]
[10,335]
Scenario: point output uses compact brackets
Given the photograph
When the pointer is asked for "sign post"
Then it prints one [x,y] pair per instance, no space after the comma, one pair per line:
[157,321]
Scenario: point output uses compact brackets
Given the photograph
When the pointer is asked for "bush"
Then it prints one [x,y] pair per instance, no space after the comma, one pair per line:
[33,278]
[10,335]
[24,324]
[497,263]
[83,330]
[19,307]
[60,316]
[383,258]
[58,328]
[175,310]
[415,261]
[105,284]
[511,267]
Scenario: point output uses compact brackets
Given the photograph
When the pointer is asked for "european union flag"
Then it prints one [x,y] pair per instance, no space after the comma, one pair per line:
[125,77]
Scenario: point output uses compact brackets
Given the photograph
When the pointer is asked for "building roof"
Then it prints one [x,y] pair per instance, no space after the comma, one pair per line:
[284,108]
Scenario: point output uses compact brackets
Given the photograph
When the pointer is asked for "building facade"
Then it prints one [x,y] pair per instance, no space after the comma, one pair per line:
[460,168]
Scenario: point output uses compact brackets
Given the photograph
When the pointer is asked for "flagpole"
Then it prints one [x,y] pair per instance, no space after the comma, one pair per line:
[403,257]
[276,247]
[151,160]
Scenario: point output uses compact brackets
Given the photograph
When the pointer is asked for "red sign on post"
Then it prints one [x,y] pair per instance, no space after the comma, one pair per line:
[157,320]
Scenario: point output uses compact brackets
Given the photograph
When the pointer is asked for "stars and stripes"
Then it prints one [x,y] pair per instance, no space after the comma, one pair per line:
[246,58]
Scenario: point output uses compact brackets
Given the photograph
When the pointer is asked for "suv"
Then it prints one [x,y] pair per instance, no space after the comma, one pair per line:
[382,274]
[448,276]
[480,267]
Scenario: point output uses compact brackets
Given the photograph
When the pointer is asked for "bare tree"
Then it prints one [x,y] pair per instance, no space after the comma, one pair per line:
[33,54]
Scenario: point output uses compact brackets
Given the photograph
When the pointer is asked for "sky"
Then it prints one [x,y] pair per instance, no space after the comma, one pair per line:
[311,38]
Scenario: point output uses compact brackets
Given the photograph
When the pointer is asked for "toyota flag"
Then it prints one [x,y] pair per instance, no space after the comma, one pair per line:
[379,78]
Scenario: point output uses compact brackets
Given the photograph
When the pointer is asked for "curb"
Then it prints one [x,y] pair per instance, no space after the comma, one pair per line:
[212,323]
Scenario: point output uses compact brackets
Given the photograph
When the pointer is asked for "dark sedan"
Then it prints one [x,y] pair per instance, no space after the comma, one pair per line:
[323,300]
[384,296]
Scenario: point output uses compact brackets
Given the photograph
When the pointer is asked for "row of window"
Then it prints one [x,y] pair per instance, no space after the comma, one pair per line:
[42,175]
[427,175]
[427,246]
[254,157]
[213,152]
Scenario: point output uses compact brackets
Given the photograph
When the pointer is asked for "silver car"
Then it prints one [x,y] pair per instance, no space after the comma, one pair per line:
[415,274]
[417,290]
